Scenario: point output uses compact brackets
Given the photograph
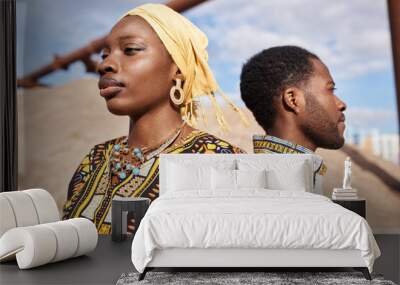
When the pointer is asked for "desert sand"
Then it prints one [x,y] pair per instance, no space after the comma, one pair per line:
[59,125]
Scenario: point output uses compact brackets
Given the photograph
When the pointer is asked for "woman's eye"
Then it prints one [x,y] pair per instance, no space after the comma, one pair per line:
[131,50]
[103,56]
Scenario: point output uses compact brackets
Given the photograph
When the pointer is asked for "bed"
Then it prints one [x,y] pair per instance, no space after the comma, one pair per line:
[247,211]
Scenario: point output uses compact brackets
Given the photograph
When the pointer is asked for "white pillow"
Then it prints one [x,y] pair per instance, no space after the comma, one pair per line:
[181,177]
[284,171]
[251,178]
[228,179]
[297,179]
[223,179]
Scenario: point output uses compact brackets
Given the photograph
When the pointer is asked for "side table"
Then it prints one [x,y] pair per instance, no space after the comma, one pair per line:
[358,206]
[124,209]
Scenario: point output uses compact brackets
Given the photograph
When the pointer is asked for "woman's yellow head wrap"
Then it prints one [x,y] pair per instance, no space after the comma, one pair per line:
[187,46]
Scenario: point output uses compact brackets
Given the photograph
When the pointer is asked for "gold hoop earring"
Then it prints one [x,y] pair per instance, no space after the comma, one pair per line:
[177,88]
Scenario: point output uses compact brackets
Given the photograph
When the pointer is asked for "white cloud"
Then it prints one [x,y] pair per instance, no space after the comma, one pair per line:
[352,37]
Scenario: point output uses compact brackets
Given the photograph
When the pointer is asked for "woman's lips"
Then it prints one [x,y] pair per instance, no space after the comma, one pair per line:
[110,91]
[109,87]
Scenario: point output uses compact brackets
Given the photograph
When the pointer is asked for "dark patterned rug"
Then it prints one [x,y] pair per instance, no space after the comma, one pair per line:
[269,278]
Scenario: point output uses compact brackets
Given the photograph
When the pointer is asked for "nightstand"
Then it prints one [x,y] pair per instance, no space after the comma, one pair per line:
[358,206]
[124,209]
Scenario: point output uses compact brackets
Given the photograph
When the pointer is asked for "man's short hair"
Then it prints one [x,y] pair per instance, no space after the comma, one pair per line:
[268,73]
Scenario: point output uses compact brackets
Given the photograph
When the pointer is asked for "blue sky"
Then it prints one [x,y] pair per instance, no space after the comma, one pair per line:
[351,37]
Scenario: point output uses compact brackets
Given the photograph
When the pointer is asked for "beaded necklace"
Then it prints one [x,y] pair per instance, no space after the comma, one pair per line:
[125,160]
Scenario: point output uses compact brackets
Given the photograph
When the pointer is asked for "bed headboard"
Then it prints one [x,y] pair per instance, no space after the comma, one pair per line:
[235,159]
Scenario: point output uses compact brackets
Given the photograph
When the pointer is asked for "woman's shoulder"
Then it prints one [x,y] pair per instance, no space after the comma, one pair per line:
[111,142]
[202,142]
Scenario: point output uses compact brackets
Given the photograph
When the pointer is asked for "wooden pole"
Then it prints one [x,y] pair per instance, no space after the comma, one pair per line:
[84,53]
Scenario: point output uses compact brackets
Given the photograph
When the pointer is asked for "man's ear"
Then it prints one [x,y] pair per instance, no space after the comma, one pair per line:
[293,99]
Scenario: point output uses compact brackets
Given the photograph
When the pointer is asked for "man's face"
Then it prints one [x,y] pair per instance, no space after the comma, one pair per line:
[323,119]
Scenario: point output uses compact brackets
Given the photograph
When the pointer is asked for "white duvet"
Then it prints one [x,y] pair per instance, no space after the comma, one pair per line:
[253,218]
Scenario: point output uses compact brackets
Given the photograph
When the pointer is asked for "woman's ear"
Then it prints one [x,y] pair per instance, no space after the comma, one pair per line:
[293,99]
[174,71]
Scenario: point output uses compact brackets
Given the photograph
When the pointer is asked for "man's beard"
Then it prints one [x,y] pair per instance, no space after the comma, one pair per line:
[318,128]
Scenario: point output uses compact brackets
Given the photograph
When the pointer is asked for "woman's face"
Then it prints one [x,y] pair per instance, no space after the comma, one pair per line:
[137,72]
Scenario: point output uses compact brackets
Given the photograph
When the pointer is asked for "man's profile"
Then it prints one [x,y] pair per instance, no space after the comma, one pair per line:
[291,94]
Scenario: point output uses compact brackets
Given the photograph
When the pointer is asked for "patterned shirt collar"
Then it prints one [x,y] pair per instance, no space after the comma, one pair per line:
[271,144]
[274,144]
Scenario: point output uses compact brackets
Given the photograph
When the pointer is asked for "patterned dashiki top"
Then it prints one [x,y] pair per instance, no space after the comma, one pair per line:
[271,144]
[92,186]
